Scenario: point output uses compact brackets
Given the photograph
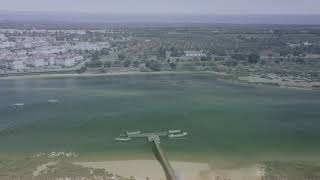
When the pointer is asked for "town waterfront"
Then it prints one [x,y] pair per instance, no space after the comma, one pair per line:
[224,120]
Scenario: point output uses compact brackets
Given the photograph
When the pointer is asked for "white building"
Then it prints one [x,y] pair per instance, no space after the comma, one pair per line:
[79,58]
[7,44]
[69,62]
[37,62]
[194,54]
[17,65]
[51,61]
[3,37]
[102,45]
[72,61]
[85,46]
[307,43]
[48,50]
[293,45]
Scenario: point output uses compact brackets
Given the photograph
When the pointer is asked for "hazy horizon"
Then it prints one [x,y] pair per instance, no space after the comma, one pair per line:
[113,18]
[298,12]
[194,7]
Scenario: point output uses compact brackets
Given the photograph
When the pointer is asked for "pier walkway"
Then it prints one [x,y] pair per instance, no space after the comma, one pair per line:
[155,139]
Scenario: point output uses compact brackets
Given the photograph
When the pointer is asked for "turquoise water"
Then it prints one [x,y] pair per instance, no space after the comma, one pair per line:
[224,120]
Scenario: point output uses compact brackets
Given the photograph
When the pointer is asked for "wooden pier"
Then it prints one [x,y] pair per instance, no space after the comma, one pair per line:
[155,139]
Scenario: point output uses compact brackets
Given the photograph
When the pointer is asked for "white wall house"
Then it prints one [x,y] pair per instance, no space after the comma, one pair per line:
[69,62]
[7,44]
[85,46]
[79,58]
[51,61]
[37,62]
[293,45]
[307,43]
[17,65]
[194,54]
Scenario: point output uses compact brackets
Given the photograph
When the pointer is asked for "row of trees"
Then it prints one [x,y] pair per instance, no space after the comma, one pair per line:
[252,58]
[108,64]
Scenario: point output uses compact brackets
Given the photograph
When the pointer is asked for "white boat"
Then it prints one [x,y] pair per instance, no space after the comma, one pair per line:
[133,132]
[174,131]
[122,139]
[17,105]
[53,101]
[177,135]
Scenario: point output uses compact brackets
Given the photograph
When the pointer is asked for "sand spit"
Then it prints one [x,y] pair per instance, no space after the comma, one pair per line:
[290,82]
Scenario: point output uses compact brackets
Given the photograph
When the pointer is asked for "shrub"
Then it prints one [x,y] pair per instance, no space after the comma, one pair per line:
[153,65]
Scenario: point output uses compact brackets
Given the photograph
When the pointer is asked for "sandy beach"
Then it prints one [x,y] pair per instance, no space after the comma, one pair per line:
[141,169]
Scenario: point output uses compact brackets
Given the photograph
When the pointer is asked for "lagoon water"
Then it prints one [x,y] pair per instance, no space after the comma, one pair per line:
[225,120]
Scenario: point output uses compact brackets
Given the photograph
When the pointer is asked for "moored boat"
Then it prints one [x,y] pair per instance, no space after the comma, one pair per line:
[174,131]
[53,101]
[18,105]
[122,139]
[177,135]
[132,132]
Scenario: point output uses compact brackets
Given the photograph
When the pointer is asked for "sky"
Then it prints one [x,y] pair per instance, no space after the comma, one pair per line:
[166,6]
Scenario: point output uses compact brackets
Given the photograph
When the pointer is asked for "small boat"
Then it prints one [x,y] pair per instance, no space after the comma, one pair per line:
[178,135]
[132,132]
[174,131]
[53,101]
[122,139]
[18,105]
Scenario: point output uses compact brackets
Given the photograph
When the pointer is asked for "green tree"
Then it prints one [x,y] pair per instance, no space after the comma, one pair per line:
[95,56]
[283,52]
[127,63]
[162,52]
[121,56]
[173,66]
[204,58]
[105,51]
[153,65]
[107,64]
[253,58]
[297,53]
[81,70]
[135,63]
[238,57]
[94,64]
[231,63]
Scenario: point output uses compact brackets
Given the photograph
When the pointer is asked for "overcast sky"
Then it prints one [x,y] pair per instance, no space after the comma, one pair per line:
[167,6]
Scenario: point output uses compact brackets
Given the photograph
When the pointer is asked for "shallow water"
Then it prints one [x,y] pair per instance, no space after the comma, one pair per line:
[224,120]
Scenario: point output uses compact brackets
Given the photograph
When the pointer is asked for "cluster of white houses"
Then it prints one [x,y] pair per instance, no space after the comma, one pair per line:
[61,61]
[19,51]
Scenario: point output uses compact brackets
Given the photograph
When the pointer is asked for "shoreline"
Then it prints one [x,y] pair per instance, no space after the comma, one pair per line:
[40,76]
[248,80]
